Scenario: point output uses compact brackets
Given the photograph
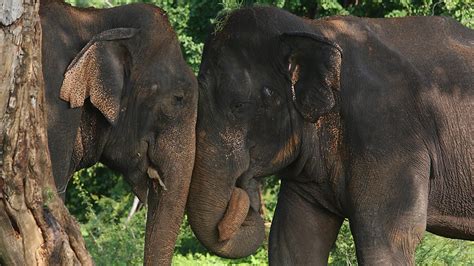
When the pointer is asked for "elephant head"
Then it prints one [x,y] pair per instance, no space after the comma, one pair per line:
[139,105]
[261,82]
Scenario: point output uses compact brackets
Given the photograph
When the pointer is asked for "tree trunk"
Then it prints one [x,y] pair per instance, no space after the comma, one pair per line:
[35,226]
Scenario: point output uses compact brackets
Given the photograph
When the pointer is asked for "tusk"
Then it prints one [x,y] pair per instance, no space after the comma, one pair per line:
[153,174]
[133,210]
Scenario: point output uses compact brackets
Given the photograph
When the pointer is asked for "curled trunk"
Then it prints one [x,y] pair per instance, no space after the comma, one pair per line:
[219,212]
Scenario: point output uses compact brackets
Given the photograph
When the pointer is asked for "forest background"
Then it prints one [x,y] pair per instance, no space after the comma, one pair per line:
[101,200]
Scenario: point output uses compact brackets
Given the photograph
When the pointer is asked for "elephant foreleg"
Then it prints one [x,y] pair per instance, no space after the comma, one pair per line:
[301,233]
[389,205]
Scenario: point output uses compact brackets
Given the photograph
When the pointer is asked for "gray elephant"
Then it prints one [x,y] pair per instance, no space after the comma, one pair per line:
[365,119]
[118,91]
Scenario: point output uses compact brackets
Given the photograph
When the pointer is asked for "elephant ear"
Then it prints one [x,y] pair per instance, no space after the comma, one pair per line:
[314,64]
[97,72]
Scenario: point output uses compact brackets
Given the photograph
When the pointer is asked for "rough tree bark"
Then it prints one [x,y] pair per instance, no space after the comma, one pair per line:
[35,226]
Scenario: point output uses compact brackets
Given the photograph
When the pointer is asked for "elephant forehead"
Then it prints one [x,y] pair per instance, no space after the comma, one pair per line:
[234,86]
[237,73]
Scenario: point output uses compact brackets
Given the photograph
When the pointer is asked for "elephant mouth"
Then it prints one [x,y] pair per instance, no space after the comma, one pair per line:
[140,179]
[245,198]
[156,178]
[251,185]
[153,172]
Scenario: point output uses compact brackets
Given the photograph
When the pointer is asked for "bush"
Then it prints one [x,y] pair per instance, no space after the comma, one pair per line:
[89,186]
[436,250]
[110,239]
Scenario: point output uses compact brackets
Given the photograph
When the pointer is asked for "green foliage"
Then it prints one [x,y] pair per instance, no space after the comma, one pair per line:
[179,15]
[201,17]
[343,252]
[436,250]
[189,251]
[229,5]
[260,258]
[187,243]
[110,239]
[331,7]
[462,11]
[88,186]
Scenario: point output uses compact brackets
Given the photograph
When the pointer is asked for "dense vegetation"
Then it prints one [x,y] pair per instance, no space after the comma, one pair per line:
[101,200]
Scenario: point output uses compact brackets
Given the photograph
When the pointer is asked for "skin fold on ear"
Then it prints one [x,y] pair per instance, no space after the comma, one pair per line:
[314,66]
[97,72]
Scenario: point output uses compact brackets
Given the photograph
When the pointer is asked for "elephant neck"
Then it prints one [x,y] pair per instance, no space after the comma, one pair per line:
[321,161]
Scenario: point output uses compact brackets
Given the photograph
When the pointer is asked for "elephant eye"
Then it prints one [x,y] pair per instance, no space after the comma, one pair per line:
[239,109]
[178,100]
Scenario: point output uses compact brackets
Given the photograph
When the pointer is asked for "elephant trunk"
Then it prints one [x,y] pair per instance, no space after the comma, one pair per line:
[167,195]
[219,212]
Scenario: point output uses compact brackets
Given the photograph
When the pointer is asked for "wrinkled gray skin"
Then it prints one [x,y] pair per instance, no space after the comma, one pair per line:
[118,91]
[365,119]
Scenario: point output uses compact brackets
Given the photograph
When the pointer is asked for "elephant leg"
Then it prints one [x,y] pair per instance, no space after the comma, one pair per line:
[389,212]
[302,232]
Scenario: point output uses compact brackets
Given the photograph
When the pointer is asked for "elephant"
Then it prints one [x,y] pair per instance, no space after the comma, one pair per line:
[363,119]
[118,91]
